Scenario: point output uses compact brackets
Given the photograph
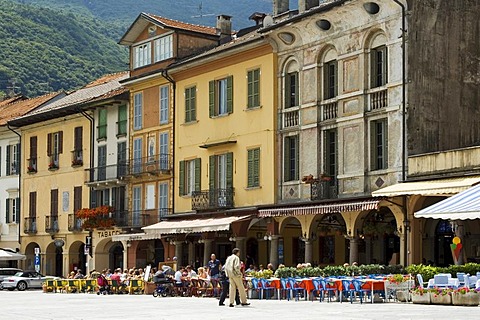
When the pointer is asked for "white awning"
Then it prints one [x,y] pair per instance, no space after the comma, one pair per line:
[7,255]
[192,226]
[462,206]
[136,236]
[429,188]
[323,208]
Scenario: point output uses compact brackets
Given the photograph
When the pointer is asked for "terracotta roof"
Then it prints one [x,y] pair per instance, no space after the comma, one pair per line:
[11,99]
[21,107]
[183,25]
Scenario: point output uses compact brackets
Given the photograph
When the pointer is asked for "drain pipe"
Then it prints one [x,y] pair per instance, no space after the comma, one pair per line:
[406,223]
[19,180]
[174,85]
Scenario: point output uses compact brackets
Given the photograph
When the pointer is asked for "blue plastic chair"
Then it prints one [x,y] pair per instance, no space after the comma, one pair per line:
[362,292]
[327,289]
[266,288]
[318,290]
[257,287]
[347,288]
[285,288]
[296,289]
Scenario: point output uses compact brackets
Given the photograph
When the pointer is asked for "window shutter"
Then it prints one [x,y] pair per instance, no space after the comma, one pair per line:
[8,160]
[211,173]
[229,170]
[287,91]
[78,139]
[49,144]
[7,212]
[17,210]
[60,142]
[33,204]
[198,169]
[250,168]
[286,159]
[181,179]
[373,68]
[230,94]
[250,89]
[93,198]
[211,98]
[77,199]
[385,66]
[33,147]
[256,167]
[385,143]
[256,88]
[17,163]
[54,202]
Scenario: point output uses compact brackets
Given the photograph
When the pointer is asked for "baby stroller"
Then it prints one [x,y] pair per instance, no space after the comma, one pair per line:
[164,285]
[103,286]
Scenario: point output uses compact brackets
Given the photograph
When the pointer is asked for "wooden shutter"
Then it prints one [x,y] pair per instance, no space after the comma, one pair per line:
[253,167]
[211,98]
[198,169]
[93,198]
[17,163]
[8,160]
[286,159]
[256,88]
[78,139]
[54,202]
[17,210]
[211,174]
[7,212]
[77,199]
[230,94]
[229,170]
[250,89]
[33,204]
[181,179]
[49,144]
[60,142]
[33,147]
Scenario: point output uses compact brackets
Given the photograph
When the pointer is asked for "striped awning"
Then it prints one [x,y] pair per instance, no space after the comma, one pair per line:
[323,208]
[462,206]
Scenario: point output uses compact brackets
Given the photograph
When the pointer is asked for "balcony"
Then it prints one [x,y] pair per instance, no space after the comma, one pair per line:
[155,164]
[104,174]
[290,119]
[30,225]
[32,165]
[74,223]
[77,158]
[324,189]
[139,219]
[378,99]
[329,110]
[212,199]
[51,224]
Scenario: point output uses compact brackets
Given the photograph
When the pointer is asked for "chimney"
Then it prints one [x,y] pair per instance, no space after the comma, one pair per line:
[304,5]
[258,18]
[280,6]
[224,27]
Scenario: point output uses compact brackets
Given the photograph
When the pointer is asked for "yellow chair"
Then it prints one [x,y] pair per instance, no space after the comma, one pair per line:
[73,285]
[90,286]
[49,286]
[135,286]
[60,285]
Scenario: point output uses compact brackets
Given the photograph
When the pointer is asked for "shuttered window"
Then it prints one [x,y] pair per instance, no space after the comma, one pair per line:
[102,123]
[77,199]
[291,158]
[330,79]
[191,104]
[379,69]
[122,120]
[137,111]
[54,202]
[221,96]
[164,104]
[189,176]
[291,90]
[253,168]
[253,85]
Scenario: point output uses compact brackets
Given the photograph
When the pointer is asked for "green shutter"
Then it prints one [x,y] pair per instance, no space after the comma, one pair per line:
[230,94]
[256,167]
[250,89]
[336,78]
[250,169]
[17,210]
[181,179]
[49,144]
[385,143]
[198,172]
[211,98]
[7,212]
[229,170]
[187,105]
[8,160]
[256,88]
[211,173]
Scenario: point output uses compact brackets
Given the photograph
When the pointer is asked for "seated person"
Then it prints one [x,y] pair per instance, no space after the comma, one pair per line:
[179,277]
[190,272]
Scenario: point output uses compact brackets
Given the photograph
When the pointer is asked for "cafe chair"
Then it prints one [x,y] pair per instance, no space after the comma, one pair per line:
[296,289]
[90,286]
[421,283]
[136,286]
[326,289]
[50,286]
[266,288]
[361,291]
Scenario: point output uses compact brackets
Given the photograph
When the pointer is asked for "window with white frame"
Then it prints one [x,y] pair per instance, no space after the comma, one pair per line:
[221,96]
[12,213]
[142,55]
[137,110]
[12,160]
[379,72]
[163,48]
[189,180]
[163,104]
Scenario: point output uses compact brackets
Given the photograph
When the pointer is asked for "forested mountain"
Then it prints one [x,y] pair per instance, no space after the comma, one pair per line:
[48,45]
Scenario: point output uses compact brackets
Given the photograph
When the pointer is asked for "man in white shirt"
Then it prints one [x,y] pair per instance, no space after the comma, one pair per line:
[233,272]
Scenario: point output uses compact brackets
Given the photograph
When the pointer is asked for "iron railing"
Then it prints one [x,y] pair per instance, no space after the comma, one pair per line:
[324,189]
[30,225]
[74,223]
[106,173]
[51,224]
[139,219]
[159,163]
[212,199]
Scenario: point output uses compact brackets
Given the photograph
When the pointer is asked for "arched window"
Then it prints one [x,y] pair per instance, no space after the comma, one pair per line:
[378,62]
[330,75]
[291,83]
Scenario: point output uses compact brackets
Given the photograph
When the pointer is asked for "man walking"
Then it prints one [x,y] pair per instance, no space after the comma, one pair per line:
[232,270]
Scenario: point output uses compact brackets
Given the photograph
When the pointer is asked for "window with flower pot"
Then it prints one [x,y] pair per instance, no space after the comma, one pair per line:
[54,149]
[32,159]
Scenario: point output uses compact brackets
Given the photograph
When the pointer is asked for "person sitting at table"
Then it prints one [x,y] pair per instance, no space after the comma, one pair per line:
[203,274]
[71,275]
[270,267]
[178,277]
[79,275]
[190,272]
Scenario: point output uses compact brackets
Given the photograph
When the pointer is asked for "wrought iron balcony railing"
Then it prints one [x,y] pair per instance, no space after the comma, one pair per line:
[51,224]
[213,199]
[30,225]
[155,164]
[324,189]
[74,223]
[107,173]
[139,219]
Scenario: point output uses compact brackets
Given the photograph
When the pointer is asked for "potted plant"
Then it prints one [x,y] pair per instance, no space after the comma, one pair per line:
[420,295]
[31,169]
[466,297]
[96,218]
[77,162]
[441,296]
[400,285]
[52,166]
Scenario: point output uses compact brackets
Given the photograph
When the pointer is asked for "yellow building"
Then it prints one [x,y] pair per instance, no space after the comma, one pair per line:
[56,148]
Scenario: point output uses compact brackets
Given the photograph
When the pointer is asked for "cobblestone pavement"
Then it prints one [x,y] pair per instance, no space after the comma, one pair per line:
[37,305]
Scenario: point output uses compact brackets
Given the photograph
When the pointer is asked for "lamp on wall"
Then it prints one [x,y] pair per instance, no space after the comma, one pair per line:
[232,238]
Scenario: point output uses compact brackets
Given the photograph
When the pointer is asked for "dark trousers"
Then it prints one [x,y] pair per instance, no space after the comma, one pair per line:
[225,288]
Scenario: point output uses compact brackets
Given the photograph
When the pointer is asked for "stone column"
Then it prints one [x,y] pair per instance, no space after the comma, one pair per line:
[178,252]
[191,254]
[207,250]
[125,245]
[353,250]
[241,243]
[274,251]
[308,251]
[403,258]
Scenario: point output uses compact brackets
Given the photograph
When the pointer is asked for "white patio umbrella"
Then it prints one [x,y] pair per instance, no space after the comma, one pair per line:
[7,255]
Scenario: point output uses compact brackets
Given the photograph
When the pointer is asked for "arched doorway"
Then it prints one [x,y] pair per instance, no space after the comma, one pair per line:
[330,231]
[77,259]
[443,238]
[116,256]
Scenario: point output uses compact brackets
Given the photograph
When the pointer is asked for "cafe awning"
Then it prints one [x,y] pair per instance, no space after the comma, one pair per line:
[322,208]
[192,226]
[429,188]
[136,236]
[10,255]
[462,206]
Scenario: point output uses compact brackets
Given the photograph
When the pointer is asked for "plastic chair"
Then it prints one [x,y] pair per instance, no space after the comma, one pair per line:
[266,288]
[347,288]
[256,285]
[362,292]
[318,290]
[327,289]
[284,288]
[440,280]
[295,288]
[136,286]
[461,277]
[421,283]
[50,286]
[90,286]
